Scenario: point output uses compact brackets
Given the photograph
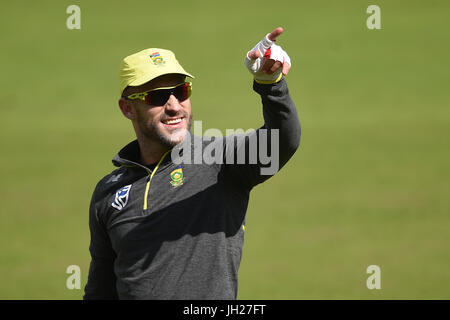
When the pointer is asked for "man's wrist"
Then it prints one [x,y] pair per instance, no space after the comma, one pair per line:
[270,81]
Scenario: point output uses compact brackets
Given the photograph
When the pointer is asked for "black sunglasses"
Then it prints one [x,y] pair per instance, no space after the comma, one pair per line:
[159,96]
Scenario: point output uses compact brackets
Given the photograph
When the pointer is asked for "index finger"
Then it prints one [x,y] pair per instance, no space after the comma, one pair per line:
[275,33]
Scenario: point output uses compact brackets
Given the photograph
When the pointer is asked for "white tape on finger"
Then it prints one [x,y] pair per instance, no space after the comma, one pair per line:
[261,47]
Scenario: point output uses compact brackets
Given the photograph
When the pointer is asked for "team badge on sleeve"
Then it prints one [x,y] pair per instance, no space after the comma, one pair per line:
[121,198]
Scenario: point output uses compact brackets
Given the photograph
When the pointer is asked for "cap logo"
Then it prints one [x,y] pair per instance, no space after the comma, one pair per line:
[157,59]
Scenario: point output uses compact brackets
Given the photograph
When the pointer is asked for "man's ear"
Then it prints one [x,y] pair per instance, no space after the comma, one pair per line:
[126,108]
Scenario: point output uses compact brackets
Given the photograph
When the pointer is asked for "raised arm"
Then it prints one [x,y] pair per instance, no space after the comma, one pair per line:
[267,149]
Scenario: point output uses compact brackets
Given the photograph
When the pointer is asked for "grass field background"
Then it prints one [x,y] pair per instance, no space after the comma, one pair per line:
[370,183]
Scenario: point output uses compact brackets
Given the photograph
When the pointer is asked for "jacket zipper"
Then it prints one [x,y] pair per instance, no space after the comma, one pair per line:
[147,188]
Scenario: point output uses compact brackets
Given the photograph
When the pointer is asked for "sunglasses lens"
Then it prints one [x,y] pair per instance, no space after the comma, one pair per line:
[157,98]
[160,97]
[182,92]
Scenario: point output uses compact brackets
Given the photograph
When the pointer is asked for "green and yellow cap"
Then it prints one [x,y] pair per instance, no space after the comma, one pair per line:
[146,65]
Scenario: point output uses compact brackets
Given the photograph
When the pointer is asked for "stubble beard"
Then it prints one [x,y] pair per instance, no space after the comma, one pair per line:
[170,140]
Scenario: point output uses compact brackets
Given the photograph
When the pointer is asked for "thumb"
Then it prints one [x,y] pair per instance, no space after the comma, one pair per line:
[253,55]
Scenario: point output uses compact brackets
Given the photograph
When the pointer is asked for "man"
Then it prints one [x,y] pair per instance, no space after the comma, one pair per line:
[164,230]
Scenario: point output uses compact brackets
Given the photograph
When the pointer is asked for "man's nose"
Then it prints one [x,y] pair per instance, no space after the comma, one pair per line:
[172,105]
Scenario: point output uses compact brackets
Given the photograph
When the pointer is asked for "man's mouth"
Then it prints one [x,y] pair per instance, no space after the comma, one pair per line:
[173,122]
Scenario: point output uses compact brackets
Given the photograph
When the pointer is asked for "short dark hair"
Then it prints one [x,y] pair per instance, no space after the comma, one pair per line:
[125,92]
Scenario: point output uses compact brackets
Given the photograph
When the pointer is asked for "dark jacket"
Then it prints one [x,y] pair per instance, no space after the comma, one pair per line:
[177,231]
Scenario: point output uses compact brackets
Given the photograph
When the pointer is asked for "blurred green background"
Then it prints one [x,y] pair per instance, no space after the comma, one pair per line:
[370,183]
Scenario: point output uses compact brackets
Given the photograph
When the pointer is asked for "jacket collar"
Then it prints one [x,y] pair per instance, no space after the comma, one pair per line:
[130,154]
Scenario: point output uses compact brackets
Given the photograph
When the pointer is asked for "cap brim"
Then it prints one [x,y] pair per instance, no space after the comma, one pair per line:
[150,77]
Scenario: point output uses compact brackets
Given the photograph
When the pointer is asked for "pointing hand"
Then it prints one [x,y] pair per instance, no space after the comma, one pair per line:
[267,61]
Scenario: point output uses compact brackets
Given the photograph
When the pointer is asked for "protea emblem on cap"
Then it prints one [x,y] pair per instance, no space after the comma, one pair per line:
[156,58]
[177,177]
